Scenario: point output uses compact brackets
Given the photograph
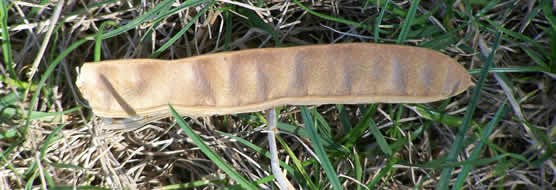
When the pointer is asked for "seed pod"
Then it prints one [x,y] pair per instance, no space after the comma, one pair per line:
[259,79]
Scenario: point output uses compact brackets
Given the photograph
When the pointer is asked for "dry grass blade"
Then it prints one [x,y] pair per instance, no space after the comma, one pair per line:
[46,40]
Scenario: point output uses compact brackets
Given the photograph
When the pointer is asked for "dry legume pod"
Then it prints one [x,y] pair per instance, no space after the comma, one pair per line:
[259,79]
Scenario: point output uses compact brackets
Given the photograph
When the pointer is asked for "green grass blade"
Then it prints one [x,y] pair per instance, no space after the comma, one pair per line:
[36,10]
[180,33]
[323,128]
[432,115]
[380,140]
[408,22]
[378,21]
[31,171]
[255,21]
[211,154]
[344,118]
[445,39]
[49,140]
[514,69]
[17,83]
[358,168]
[395,10]
[267,179]
[4,154]
[319,149]
[98,40]
[351,137]
[467,120]
[52,116]
[382,173]
[6,44]
[228,29]
[328,143]
[298,165]
[139,20]
[510,33]
[535,56]
[552,56]
[477,150]
[9,111]
[166,12]
[549,14]
[436,164]
[331,18]
[30,182]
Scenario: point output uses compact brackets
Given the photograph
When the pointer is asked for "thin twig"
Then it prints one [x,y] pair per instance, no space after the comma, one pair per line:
[283,182]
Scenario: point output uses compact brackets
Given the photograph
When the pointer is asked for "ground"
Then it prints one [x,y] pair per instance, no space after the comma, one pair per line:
[501,133]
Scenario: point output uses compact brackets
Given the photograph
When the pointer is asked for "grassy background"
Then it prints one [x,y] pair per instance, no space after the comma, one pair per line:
[499,134]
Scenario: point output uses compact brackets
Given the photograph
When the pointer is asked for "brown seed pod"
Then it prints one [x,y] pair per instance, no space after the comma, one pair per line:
[259,79]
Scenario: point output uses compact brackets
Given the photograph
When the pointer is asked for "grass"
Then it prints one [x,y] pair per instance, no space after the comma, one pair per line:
[211,154]
[499,134]
[467,120]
